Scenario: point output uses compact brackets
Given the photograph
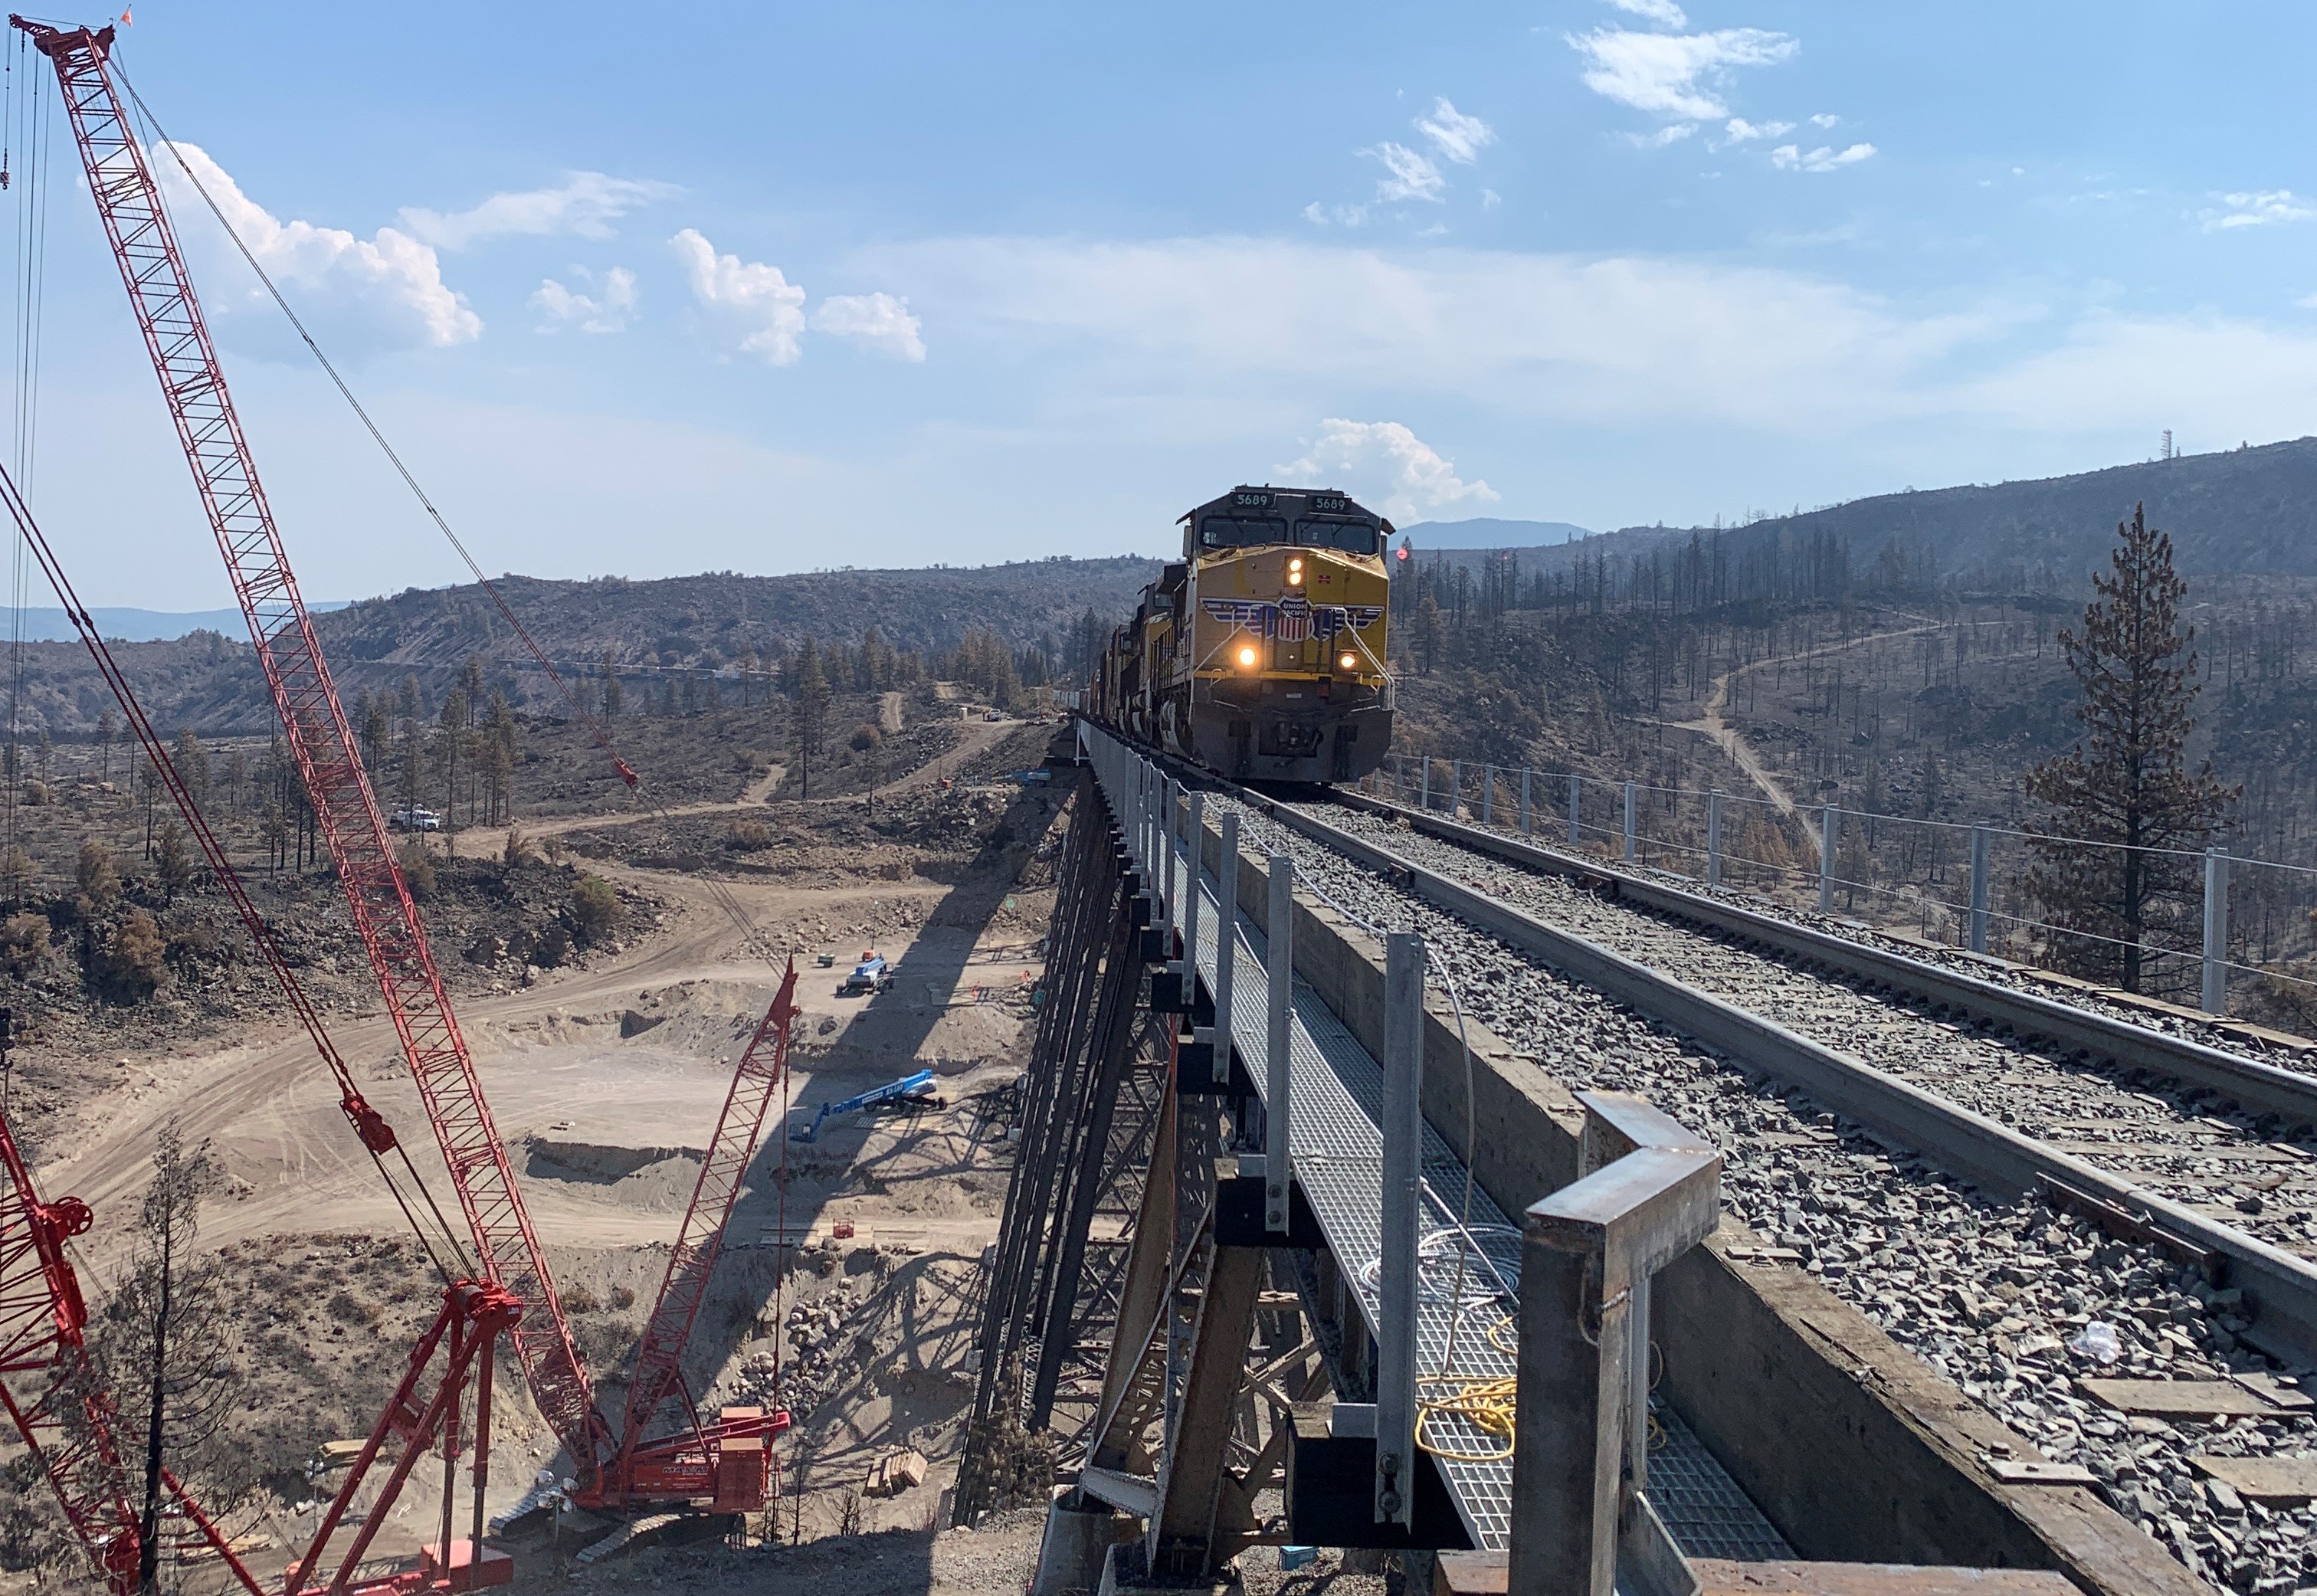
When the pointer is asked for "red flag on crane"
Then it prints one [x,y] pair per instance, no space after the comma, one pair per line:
[124,17]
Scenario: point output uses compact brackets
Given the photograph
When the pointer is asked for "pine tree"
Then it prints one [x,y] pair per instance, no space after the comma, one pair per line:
[615,697]
[812,712]
[2127,782]
[166,1347]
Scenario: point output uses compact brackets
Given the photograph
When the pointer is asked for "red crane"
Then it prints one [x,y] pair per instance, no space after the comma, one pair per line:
[728,1462]
[642,1465]
[44,1367]
[64,1417]
[320,739]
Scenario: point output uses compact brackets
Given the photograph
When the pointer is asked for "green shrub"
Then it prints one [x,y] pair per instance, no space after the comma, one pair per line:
[595,907]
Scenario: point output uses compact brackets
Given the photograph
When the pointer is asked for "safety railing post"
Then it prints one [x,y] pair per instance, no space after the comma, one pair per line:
[1280,930]
[2216,931]
[1455,787]
[1402,1129]
[1226,946]
[1979,889]
[1630,794]
[1169,796]
[1575,824]
[1488,795]
[1713,838]
[1826,833]
[1424,789]
[1193,867]
[1525,775]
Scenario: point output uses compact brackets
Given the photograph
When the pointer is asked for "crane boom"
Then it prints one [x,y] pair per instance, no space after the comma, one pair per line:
[659,1356]
[321,740]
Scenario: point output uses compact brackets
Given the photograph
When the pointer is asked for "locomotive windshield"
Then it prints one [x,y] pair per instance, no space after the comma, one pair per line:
[1232,532]
[1353,537]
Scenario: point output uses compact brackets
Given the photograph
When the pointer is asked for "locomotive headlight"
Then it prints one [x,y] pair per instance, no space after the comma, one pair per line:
[1247,657]
[1295,571]
[1347,661]
[1296,563]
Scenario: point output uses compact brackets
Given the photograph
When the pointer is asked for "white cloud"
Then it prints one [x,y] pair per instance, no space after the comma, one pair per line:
[389,283]
[1542,337]
[1738,130]
[2218,376]
[1350,216]
[755,297]
[586,204]
[1789,157]
[605,311]
[1675,74]
[876,319]
[1664,12]
[1458,136]
[1408,175]
[1490,199]
[2256,209]
[1825,119]
[1671,133]
[1414,475]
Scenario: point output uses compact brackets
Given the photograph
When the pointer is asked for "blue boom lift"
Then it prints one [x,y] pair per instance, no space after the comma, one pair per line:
[910,1086]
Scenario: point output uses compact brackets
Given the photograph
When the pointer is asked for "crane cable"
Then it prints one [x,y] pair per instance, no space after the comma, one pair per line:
[30,537]
[751,936]
[579,712]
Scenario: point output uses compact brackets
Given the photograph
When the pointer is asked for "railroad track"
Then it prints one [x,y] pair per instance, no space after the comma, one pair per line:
[1981,1182]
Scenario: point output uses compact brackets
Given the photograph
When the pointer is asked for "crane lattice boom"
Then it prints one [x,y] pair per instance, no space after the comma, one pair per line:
[321,740]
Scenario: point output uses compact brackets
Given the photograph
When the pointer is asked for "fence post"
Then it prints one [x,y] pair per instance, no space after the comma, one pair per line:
[2216,931]
[1280,930]
[1713,838]
[1455,787]
[1629,822]
[1574,827]
[1826,830]
[1488,795]
[1979,889]
[1424,789]
[1402,1130]
[1525,775]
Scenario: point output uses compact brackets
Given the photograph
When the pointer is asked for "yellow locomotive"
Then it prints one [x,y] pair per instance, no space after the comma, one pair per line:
[1260,654]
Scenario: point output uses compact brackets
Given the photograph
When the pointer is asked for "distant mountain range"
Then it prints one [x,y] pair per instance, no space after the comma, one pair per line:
[1488,532]
[47,625]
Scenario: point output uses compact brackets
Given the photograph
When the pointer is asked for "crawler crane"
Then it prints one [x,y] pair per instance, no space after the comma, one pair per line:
[724,1465]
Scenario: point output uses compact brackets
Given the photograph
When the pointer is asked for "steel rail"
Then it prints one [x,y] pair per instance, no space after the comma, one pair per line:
[2258,1087]
[2279,1289]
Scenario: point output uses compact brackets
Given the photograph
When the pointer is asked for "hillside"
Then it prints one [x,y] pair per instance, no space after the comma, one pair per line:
[1491,532]
[653,631]
[2243,512]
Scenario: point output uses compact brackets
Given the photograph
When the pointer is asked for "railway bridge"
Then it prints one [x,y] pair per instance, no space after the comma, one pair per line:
[1392,1181]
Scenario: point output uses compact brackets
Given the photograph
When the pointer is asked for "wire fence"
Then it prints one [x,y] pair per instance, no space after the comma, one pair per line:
[2228,935]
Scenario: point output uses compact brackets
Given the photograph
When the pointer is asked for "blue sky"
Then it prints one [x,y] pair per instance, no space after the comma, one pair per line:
[775,289]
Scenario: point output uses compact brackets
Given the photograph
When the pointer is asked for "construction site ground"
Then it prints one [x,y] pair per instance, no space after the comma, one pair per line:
[606,1079]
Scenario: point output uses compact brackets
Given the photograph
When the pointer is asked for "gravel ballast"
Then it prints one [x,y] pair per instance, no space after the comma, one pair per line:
[1989,1293]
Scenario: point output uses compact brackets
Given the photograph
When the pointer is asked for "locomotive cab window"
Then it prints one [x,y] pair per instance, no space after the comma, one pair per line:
[1239,532]
[1353,537]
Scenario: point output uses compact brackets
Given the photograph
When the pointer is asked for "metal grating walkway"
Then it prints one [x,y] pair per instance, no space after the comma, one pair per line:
[1338,1092]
